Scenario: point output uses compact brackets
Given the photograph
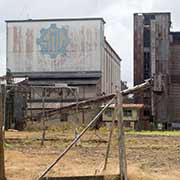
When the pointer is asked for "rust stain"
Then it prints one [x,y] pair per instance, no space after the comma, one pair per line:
[17,37]
[29,41]
[19,41]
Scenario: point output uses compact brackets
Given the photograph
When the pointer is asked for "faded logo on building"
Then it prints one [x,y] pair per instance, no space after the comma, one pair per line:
[53,41]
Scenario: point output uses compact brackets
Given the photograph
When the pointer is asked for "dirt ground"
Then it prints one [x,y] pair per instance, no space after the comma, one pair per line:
[149,157]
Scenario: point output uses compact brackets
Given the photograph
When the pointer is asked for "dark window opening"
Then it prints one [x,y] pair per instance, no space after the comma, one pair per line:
[127,112]
[146,65]
[148,18]
[146,37]
[146,112]
[108,113]
[147,100]
[176,37]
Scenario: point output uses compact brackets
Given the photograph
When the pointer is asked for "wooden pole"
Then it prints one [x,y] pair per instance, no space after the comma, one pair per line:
[44,119]
[75,140]
[77,118]
[2,166]
[121,140]
[110,137]
[30,99]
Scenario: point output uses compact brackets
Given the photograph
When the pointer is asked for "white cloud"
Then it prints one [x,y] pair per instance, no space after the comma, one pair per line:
[118,15]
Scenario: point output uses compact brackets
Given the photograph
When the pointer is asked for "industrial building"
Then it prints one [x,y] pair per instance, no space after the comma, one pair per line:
[157,56]
[62,52]
[71,51]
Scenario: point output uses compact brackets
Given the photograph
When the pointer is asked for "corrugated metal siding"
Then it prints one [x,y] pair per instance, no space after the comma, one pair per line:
[175,102]
[156,26]
[175,82]
[175,60]
[162,43]
[138,49]
[54,46]
[110,70]
[138,54]
[162,65]
[153,47]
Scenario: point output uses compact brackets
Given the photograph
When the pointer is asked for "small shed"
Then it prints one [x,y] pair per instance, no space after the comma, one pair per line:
[131,115]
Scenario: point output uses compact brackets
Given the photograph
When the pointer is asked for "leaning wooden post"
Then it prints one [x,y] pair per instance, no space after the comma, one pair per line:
[76,139]
[110,135]
[44,116]
[121,141]
[2,167]
[30,100]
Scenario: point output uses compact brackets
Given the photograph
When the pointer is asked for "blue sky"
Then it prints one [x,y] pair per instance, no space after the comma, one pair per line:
[118,15]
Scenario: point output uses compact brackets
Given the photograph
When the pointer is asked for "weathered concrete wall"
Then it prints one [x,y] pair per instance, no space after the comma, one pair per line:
[111,70]
[54,45]
[64,95]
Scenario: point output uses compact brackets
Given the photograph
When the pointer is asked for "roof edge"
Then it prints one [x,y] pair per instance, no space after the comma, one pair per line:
[57,19]
[174,32]
[112,49]
[155,13]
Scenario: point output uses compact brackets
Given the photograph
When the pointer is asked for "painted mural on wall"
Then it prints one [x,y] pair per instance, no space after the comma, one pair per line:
[53,41]
[53,46]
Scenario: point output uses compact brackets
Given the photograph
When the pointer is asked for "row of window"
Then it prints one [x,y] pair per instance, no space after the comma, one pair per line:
[126,112]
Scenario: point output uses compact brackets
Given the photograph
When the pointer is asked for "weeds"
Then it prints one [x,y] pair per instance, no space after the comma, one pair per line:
[154,133]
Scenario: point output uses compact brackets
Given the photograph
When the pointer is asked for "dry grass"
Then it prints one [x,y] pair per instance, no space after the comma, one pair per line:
[149,157]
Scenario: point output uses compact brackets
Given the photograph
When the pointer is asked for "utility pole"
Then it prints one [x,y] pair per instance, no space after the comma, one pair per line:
[2,109]
[121,139]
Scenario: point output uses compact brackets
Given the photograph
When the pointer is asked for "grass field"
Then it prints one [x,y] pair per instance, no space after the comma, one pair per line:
[155,133]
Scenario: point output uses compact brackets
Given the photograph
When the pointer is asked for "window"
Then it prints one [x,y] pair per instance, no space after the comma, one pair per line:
[147,41]
[108,113]
[127,112]
[147,100]
[146,65]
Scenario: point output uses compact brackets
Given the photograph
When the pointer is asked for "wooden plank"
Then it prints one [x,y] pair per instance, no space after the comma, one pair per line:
[99,177]
[110,137]
[44,118]
[2,166]
[121,141]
